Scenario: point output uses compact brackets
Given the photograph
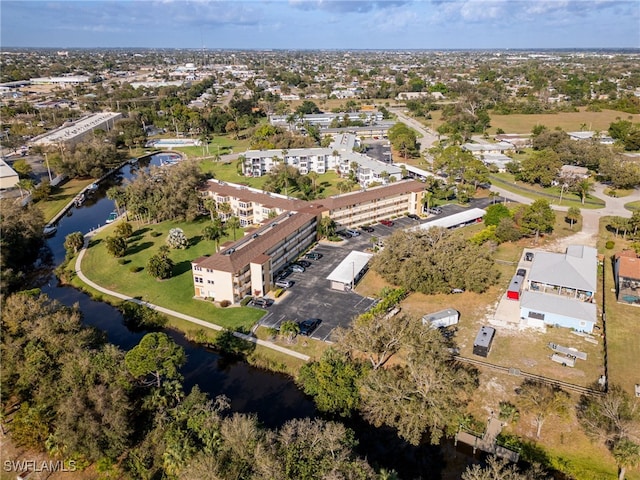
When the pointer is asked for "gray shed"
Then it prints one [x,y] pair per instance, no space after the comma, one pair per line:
[483,341]
[443,318]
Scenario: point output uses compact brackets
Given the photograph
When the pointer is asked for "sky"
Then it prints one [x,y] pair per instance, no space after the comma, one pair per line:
[321,24]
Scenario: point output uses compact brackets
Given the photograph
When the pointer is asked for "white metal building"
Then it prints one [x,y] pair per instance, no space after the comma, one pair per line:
[461,219]
[350,270]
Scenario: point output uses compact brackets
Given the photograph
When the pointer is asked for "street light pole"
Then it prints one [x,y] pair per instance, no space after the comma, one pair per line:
[353,275]
[46,159]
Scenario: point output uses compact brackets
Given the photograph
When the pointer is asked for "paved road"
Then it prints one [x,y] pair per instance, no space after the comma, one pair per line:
[428,137]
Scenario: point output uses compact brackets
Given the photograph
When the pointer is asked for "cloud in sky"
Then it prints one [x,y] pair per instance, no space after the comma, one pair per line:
[321,23]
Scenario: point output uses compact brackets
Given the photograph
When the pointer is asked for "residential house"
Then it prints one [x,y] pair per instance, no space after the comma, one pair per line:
[561,289]
[627,277]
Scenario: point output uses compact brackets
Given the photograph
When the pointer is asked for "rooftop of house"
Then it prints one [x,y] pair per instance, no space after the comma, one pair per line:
[577,268]
[628,264]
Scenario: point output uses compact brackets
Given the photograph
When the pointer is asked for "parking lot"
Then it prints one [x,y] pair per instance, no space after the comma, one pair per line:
[311,296]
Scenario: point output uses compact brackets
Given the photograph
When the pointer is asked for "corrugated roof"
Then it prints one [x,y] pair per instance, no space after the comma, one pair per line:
[350,267]
[577,268]
[452,220]
[248,250]
[556,304]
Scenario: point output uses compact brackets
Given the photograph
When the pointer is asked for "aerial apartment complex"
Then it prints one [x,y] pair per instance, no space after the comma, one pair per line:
[251,265]
[339,156]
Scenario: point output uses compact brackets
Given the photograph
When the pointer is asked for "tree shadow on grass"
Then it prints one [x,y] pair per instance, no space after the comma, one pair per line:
[181,267]
[93,243]
[195,240]
[138,247]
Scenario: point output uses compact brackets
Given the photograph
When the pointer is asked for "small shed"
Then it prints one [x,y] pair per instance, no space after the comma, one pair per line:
[515,288]
[443,318]
[483,341]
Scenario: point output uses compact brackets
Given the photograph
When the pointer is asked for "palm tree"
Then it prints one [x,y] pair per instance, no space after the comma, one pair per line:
[214,232]
[583,187]
[25,184]
[573,215]
[313,176]
[210,205]
[627,454]
[233,223]
[225,210]
[289,330]
[118,196]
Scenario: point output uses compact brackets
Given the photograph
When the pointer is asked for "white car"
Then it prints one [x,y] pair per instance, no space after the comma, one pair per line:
[353,233]
[284,283]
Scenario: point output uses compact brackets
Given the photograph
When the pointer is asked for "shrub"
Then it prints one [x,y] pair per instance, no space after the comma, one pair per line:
[225,303]
[609,245]
[155,234]
[123,261]
[245,301]
[135,269]
[177,238]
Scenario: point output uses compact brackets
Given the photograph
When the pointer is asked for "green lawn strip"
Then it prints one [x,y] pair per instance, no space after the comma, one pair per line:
[300,343]
[633,206]
[552,194]
[175,293]
[61,197]
[623,327]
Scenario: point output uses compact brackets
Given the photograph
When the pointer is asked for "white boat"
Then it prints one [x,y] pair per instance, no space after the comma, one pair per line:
[93,187]
[112,217]
[49,230]
[79,200]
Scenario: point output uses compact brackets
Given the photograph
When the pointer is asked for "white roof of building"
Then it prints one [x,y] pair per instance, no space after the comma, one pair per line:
[6,171]
[453,220]
[577,268]
[558,305]
[349,268]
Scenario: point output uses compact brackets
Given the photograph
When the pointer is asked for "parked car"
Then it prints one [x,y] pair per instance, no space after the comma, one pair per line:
[528,256]
[521,272]
[297,268]
[413,216]
[308,326]
[435,211]
[367,229]
[387,223]
[313,256]
[457,290]
[353,233]
[344,234]
[261,302]
[282,283]
[303,263]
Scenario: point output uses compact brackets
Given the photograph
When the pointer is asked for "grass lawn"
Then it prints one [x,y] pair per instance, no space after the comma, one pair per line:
[623,321]
[175,293]
[567,121]
[301,344]
[552,194]
[633,206]
[61,196]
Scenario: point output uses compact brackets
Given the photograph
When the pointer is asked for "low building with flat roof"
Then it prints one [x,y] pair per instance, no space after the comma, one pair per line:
[8,176]
[78,130]
[348,272]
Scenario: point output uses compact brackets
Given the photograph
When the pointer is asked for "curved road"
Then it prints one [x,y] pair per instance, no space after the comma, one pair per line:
[188,318]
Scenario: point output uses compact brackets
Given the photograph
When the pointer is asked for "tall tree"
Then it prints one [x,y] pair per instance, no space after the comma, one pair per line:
[156,359]
[538,218]
[543,401]
[573,215]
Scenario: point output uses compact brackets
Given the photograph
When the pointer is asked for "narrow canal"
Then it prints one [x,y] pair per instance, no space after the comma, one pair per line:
[273,397]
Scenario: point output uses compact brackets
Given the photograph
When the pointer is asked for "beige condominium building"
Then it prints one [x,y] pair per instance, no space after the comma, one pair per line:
[250,265]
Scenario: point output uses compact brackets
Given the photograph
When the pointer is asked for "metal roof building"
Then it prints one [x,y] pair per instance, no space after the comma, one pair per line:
[456,220]
[350,270]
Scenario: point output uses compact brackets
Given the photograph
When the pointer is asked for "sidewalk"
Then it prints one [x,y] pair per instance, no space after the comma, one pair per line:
[173,313]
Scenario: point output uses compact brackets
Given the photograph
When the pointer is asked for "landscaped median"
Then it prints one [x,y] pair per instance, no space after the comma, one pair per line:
[551,194]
